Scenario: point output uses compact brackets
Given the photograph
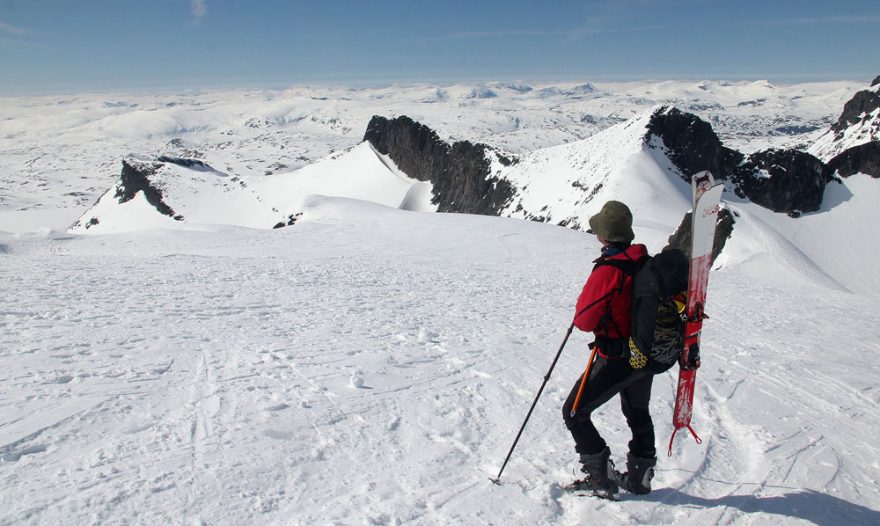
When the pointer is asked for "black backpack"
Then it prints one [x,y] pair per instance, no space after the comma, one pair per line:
[659,293]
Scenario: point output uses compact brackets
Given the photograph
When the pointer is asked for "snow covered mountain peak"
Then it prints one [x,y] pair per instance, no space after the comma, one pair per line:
[172,192]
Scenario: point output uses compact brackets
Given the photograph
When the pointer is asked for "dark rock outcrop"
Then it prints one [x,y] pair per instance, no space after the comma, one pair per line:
[136,179]
[857,108]
[857,112]
[787,181]
[681,239]
[186,163]
[692,144]
[460,173]
[864,158]
[291,220]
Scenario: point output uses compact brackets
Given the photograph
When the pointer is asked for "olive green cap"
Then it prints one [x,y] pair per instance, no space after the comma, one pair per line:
[613,223]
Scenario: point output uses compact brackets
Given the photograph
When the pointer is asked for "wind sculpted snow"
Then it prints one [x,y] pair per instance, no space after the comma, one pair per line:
[371,366]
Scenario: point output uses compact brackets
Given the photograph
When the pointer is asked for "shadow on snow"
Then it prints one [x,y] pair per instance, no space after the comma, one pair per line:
[819,508]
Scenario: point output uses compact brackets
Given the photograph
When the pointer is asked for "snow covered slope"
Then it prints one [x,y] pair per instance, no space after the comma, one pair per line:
[567,184]
[371,366]
[858,124]
[184,192]
[827,247]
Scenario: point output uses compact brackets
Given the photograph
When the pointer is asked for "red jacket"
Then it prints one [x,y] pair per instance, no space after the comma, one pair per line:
[603,306]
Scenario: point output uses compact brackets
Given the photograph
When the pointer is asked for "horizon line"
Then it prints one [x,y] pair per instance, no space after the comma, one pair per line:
[376,83]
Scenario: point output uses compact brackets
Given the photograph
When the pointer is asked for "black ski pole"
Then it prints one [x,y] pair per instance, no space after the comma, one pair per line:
[497,480]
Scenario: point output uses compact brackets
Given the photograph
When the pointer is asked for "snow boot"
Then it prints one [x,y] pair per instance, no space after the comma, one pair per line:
[639,472]
[599,480]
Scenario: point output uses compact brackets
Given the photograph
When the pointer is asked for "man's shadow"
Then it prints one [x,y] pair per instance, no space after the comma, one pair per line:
[819,508]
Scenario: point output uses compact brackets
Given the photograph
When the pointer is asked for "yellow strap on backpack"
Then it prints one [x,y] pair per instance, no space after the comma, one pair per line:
[680,301]
[637,359]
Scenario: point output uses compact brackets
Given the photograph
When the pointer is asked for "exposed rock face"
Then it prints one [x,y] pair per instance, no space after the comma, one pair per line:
[859,123]
[693,145]
[787,181]
[864,158]
[860,107]
[681,239]
[459,173]
[186,163]
[854,137]
[135,179]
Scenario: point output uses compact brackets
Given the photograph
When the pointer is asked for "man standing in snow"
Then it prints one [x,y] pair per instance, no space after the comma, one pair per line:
[603,308]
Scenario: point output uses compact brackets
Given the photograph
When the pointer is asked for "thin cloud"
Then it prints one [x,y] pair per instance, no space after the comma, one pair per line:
[199,9]
[502,34]
[568,33]
[12,30]
[855,19]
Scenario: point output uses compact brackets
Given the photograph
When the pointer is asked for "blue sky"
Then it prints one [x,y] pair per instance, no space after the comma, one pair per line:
[74,45]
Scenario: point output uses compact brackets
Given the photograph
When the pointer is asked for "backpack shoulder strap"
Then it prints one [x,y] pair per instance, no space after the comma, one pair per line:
[628,266]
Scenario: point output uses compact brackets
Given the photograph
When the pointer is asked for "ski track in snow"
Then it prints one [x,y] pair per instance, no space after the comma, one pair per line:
[320,375]
[189,380]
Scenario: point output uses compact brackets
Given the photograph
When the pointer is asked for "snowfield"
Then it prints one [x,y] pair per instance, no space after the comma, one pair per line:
[371,366]
[371,363]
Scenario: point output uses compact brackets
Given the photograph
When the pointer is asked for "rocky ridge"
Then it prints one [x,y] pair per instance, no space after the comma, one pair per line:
[461,173]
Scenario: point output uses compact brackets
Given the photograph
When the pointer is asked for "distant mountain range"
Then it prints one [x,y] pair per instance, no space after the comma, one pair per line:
[561,184]
[64,151]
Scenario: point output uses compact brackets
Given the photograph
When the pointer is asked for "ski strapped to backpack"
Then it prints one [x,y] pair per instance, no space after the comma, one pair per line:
[706,204]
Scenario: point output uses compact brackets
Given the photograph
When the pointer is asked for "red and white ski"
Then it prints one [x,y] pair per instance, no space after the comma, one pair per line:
[706,203]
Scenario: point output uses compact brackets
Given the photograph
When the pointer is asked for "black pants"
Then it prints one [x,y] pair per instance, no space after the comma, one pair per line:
[608,378]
